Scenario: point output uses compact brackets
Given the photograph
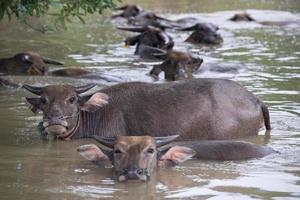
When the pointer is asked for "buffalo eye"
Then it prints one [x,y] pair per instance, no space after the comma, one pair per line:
[72,100]
[117,151]
[150,151]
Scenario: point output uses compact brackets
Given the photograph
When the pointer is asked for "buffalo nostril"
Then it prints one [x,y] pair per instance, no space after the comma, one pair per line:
[139,171]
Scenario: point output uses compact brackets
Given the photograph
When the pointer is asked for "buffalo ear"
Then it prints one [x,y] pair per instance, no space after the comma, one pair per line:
[94,154]
[94,102]
[175,155]
[34,104]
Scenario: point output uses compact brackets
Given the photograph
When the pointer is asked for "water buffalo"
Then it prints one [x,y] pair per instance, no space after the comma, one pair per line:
[177,65]
[32,63]
[151,40]
[194,109]
[151,19]
[137,157]
[204,33]
[27,63]
[241,17]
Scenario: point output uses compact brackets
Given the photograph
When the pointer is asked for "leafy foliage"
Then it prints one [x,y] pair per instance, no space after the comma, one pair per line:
[62,10]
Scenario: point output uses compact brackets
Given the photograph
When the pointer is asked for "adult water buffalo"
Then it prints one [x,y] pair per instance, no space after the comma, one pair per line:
[246,17]
[193,109]
[177,65]
[27,63]
[137,157]
[203,33]
[151,40]
[241,17]
[32,63]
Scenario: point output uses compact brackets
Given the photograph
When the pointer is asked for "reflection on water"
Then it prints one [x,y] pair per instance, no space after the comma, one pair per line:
[265,59]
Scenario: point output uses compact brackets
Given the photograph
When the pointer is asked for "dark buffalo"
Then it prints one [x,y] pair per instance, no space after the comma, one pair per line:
[241,17]
[193,109]
[151,40]
[137,157]
[203,33]
[151,19]
[177,65]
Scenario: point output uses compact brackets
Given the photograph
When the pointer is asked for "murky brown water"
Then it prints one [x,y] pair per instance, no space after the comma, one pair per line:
[269,66]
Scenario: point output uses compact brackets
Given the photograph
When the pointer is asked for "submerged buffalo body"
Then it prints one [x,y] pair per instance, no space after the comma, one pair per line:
[32,63]
[193,109]
[27,63]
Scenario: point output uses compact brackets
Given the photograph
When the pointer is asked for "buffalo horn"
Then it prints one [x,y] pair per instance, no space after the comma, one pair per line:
[106,141]
[50,61]
[84,88]
[190,28]
[33,89]
[161,141]
[132,29]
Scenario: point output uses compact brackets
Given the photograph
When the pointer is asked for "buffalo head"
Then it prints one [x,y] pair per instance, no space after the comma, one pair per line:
[177,65]
[28,63]
[135,157]
[150,40]
[241,17]
[203,33]
[128,11]
[61,106]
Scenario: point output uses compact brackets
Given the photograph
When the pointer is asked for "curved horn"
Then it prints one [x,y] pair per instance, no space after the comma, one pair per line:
[33,89]
[132,29]
[161,141]
[161,55]
[84,88]
[50,61]
[165,37]
[190,28]
[162,25]
[106,141]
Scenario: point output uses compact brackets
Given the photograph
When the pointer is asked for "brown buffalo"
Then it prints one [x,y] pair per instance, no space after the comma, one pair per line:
[194,109]
[241,17]
[32,63]
[203,33]
[28,63]
[177,65]
[137,157]
[151,40]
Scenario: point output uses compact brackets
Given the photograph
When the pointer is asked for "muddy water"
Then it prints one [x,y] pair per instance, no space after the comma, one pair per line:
[267,63]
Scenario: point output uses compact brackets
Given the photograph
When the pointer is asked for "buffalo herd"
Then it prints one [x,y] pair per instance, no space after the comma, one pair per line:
[141,126]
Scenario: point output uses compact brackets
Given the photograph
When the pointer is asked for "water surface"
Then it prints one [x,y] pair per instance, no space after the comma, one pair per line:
[267,59]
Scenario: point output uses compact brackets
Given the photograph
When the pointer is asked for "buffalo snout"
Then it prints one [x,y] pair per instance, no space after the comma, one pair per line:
[133,173]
